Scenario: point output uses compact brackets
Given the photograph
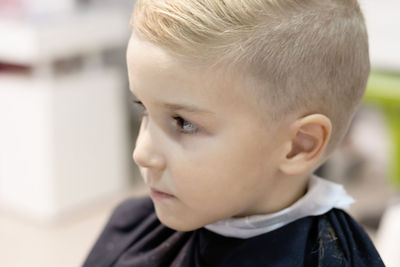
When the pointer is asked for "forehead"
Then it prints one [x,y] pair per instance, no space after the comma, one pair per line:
[157,76]
[153,71]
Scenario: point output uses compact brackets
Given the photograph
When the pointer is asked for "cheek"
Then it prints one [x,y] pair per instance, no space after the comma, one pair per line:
[218,171]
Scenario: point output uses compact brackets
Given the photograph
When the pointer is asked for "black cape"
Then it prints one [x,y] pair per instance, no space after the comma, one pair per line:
[134,237]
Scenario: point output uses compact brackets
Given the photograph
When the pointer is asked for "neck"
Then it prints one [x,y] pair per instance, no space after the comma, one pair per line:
[286,191]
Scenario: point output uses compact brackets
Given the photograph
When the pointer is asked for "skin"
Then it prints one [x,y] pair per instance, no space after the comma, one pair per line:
[226,162]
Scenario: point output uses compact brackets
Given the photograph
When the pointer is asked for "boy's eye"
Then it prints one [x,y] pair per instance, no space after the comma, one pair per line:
[184,126]
[143,111]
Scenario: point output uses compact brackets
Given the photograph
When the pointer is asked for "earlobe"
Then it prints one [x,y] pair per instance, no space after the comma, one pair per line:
[311,135]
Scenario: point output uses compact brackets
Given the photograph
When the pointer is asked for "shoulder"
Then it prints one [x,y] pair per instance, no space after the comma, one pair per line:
[123,228]
[130,212]
[340,221]
[135,237]
[345,241]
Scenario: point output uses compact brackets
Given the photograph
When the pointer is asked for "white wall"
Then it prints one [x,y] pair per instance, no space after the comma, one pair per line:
[383,22]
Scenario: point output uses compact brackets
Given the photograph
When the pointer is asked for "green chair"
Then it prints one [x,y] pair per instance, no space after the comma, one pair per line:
[383,89]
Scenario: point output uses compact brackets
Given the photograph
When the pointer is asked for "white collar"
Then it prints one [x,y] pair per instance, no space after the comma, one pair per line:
[321,196]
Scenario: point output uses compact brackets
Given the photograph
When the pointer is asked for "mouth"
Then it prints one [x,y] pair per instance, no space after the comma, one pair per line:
[159,195]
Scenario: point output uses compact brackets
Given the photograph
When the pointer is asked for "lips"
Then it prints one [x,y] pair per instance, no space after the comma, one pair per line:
[159,195]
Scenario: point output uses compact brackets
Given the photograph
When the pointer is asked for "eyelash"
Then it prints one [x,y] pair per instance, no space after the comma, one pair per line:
[180,121]
[143,111]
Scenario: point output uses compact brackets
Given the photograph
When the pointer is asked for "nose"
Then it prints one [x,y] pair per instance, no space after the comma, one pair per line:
[146,154]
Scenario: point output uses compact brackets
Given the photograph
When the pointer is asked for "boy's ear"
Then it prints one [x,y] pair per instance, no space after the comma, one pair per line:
[310,135]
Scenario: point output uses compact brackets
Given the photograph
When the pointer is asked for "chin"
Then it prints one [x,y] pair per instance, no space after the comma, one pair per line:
[177,224]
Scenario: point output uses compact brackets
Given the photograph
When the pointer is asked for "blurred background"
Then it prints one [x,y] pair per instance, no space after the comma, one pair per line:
[67,129]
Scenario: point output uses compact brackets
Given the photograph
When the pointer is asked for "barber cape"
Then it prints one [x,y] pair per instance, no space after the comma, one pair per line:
[314,231]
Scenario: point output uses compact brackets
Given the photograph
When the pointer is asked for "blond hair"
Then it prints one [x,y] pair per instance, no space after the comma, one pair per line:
[307,56]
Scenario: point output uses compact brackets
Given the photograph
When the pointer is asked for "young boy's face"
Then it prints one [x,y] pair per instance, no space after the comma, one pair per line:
[215,161]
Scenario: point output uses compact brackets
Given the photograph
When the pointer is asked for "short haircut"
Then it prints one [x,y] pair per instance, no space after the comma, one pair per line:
[305,56]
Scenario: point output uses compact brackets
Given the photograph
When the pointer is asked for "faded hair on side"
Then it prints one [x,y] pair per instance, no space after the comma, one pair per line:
[304,56]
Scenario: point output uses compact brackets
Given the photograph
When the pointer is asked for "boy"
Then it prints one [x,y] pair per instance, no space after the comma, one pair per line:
[243,100]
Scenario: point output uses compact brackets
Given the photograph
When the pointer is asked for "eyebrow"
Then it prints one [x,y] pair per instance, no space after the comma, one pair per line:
[188,108]
[175,107]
